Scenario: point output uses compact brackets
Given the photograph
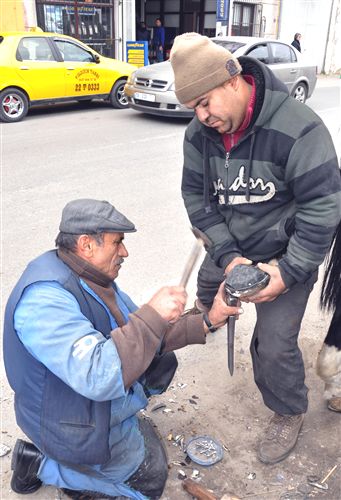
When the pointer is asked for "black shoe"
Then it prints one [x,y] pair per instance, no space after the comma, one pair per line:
[26,460]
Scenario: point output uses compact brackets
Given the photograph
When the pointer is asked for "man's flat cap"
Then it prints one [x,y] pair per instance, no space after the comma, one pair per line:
[87,216]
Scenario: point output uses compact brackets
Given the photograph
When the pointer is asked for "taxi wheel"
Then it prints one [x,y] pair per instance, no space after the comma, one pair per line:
[118,98]
[13,105]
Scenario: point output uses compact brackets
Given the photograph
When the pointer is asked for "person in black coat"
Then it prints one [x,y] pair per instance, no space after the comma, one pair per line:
[142,33]
[296,41]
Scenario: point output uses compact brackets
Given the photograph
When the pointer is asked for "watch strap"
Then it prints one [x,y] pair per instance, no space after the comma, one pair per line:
[209,325]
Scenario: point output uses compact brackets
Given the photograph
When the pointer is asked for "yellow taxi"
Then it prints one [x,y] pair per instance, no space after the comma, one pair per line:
[43,68]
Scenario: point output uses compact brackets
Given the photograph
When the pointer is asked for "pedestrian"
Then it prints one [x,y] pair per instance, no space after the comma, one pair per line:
[158,41]
[142,32]
[82,360]
[329,358]
[296,41]
[261,179]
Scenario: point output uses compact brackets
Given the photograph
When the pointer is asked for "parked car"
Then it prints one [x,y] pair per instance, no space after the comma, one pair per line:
[151,89]
[44,68]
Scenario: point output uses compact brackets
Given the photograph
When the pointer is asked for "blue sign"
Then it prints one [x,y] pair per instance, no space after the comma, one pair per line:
[137,53]
[223,7]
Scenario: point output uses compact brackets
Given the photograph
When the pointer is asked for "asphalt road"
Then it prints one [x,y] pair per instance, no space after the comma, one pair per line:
[135,161]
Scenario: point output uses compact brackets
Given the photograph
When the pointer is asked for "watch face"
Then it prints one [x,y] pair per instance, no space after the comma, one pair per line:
[204,450]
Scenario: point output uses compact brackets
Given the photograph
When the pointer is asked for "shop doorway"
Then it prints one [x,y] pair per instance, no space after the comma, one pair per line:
[191,22]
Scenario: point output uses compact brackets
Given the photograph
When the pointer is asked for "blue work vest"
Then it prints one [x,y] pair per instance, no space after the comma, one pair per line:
[64,425]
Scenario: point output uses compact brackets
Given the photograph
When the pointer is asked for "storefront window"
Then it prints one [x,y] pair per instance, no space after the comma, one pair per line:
[181,16]
[90,22]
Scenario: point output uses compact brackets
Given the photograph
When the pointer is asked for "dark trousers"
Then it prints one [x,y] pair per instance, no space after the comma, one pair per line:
[277,360]
[150,478]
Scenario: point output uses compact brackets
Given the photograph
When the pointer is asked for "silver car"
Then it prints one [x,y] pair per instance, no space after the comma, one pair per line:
[151,89]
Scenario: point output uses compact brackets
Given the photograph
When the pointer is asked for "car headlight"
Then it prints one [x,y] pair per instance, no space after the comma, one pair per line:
[131,78]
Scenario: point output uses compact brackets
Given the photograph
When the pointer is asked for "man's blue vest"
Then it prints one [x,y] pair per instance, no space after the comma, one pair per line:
[64,425]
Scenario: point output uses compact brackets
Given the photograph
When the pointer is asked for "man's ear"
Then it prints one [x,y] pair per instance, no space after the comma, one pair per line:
[85,246]
[233,83]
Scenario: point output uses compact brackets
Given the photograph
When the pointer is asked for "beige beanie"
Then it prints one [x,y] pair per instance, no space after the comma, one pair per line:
[200,65]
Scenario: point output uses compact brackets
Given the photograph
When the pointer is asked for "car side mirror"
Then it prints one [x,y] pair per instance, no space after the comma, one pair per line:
[97,58]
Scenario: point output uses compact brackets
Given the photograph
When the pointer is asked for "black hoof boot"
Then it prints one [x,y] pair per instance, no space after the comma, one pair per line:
[26,460]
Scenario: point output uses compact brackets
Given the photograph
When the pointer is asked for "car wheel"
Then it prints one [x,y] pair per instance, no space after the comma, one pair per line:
[299,92]
[118,98]
[13,105]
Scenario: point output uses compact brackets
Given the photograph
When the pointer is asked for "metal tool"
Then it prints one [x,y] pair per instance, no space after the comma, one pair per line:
[321,485]
[231,326]
[201,241]
[242,281]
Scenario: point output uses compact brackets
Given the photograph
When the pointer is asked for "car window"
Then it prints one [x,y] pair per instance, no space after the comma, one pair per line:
[281,53]
[231,46]
[259,52]
[34,49]
[293,55]
[72,52]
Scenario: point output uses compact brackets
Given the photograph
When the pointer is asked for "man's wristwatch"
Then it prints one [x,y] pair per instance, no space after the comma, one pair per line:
[209,325]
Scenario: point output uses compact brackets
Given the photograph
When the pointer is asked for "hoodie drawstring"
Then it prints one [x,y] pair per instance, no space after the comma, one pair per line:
[206,180]
[248,168]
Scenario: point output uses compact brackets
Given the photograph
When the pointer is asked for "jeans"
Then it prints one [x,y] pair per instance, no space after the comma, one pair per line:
[159,54]
[277,360]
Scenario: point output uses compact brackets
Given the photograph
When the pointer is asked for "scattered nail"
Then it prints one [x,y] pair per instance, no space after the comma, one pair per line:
[181,474]
[4,450]
[158,407]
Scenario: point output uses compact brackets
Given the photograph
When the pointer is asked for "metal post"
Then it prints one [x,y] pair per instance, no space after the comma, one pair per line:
[323,70]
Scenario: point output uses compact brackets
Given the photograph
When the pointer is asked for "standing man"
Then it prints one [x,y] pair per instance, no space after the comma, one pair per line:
[142,33]
[158,42]
[297,41]
[261,179]
[82,360]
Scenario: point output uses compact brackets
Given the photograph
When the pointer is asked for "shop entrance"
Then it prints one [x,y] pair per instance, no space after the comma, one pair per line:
[178,16]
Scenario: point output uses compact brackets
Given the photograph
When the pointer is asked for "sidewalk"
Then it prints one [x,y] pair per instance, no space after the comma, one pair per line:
[328,80]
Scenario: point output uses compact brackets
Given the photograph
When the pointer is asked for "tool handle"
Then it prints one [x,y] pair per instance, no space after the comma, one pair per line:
[192,260]
[231,301]
[231,322]
[197,490]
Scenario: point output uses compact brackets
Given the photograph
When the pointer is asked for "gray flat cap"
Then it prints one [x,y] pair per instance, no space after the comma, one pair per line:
[87,216]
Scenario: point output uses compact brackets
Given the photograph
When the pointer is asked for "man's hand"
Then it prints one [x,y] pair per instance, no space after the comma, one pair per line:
[275,287]
[235,261]
[220,311]
[169,302]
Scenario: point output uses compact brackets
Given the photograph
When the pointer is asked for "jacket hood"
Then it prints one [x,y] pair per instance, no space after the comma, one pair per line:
[270,91]
[270,94]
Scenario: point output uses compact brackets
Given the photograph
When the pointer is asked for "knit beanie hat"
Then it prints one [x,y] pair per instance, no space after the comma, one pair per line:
[200,65]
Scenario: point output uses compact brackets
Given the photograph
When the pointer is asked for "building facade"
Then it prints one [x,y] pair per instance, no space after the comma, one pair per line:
[106,25]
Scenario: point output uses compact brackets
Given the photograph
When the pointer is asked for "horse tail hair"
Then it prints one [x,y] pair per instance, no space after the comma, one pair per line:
[331,289]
